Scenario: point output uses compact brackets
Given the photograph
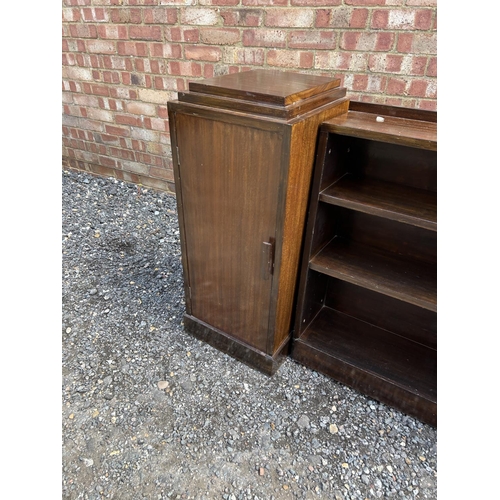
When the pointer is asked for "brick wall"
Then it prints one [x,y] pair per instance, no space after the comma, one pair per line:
[123,60]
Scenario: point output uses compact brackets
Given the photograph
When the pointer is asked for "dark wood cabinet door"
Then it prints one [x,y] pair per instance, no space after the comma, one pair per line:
[229,177]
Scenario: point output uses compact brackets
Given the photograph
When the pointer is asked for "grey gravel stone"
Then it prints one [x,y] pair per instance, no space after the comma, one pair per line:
[209,432]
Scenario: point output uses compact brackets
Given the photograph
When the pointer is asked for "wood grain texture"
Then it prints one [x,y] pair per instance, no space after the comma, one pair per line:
[417,207]
[302,155]
[396,111]
[414,133]
[266,86]
[401,318]
[229,194]
[278,111]
[380,271]
[410,365]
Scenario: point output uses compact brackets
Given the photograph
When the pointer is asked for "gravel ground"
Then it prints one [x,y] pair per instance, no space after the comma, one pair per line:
[150,412]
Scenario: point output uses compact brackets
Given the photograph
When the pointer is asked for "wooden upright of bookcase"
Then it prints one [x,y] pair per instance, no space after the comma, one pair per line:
[366,309]
[243,146]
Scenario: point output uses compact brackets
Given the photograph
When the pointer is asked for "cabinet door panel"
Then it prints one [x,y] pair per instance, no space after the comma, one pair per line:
[229,178]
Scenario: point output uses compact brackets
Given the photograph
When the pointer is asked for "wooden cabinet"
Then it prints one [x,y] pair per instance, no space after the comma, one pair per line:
[243,149]
[366,307]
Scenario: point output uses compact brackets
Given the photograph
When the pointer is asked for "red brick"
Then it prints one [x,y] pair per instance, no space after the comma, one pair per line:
[114,32]
[365,3]
[429,105]
[132,48]
[422,3]
[113,130]
[264,38]
[162,173]
[418,65]
[385,63]
[202,53]
[405,41]
[166,83]
[96,14]
[237,55]
[396,86]
[71,15]
[360,82]
[83,30]
[77,2]
[376,83]
[217,36]
[160,16]
[289,18]
[418,88]
[208,70]
[114,62]
[220,2]
[323,18]
[126,15]
[242,17]
[380,19]
[101,46]
[155,124]
[185,68]
[394,101]
[432,67]
[393,63]
[124,154]
[172,51]
[145,33]
[140,65]
[423,19]
[312,40]
[199,16]
[141,108]
[106,161]
[91,124]
[385,41]
[333,60]
[182,34]
[315,3]
[290,59]
[401,19]
[359,18]
[157,66]
[111,77]
[100,90]
[349,40]
[264,2]
[163,112]
[418,43]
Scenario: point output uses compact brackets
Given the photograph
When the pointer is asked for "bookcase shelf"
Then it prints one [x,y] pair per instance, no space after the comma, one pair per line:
[367,298]
[385,199]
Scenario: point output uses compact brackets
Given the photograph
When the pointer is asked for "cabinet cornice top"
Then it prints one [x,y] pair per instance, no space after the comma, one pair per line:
[280,95]
[281,88]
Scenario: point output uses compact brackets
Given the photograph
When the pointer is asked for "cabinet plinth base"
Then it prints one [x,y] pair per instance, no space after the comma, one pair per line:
[367,383]
[250,356]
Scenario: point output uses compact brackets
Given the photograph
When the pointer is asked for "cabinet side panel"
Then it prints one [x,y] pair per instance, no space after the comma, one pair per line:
[301,161]
[172,107]
[229,177]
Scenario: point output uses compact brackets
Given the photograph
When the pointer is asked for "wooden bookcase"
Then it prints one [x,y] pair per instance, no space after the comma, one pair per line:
[367,298]
[243,149]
